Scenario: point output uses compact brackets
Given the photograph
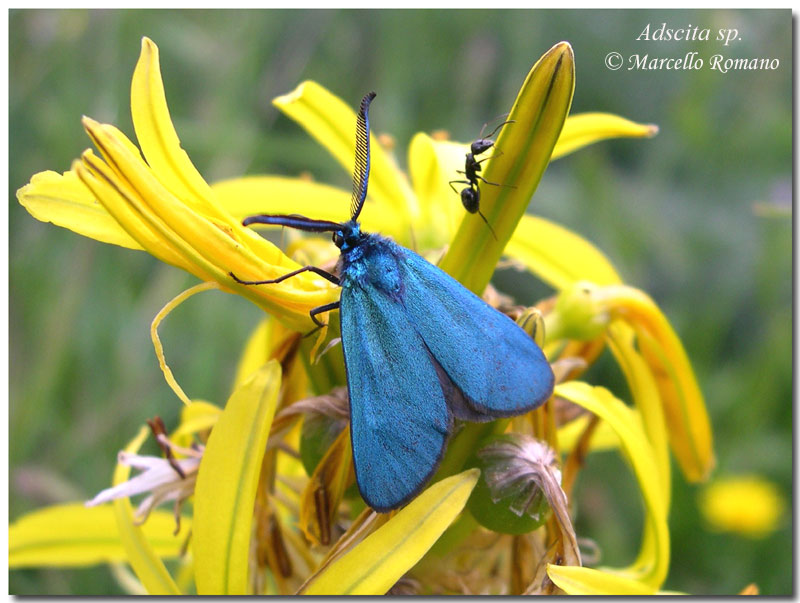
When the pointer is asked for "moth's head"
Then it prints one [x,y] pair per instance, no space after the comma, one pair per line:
[348,235]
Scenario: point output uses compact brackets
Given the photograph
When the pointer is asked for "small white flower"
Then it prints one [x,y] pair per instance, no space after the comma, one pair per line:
[164,478]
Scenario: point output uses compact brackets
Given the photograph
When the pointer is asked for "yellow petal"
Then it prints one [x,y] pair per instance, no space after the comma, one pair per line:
[197,416]
[242,197]
[644,390]
[685,411]
[169,377]
[209,249]
[538,114]
[374,565]
[604,437]
[256,351]
[320,500]
[557,255]
[73,535]
[431,165]
[158,138]
[119,200]
[66,201]
[140,554]
[332,122]
[583,129]
[202,243]
[652,565]
[226,485]
[575,580]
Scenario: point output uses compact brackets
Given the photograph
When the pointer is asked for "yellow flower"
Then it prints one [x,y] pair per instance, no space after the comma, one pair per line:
[155,200]
[746,504]
[585,310]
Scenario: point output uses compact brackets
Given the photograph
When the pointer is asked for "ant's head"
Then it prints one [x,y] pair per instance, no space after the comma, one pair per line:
[471,199]
[481,146]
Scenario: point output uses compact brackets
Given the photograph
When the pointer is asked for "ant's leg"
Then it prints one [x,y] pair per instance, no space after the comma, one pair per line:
[480,213]
[493,183]
[458,182]
[326,275]
[497,153]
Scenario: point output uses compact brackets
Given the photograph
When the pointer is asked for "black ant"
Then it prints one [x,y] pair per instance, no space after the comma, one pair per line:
[471,196]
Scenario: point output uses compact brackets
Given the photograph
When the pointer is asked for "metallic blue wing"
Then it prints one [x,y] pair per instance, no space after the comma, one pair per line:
[398,413]
[494,363]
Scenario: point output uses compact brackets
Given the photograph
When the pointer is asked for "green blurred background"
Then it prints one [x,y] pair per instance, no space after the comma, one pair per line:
[675,214]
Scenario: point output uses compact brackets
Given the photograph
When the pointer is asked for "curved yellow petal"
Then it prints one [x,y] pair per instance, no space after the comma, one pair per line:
[603,438]
[115,198]
[557,255]
[538,114]
[242,197]
[256,351]
[226,485]
[583,129]
[158,138]
[73,535]
[320,499]
[685,411]
[66,201]
[375,564]
[174,232]
[197,416]
[575,580]
[650,569]
[643,388]
[431,165]
[140,554]
[332,122]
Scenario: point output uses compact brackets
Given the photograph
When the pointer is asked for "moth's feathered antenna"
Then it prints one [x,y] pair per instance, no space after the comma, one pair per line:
[361,170]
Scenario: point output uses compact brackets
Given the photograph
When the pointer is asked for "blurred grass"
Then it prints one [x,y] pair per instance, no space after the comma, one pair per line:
[673,213]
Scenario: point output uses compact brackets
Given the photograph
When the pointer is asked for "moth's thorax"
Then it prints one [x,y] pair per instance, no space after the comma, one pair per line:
[374,259]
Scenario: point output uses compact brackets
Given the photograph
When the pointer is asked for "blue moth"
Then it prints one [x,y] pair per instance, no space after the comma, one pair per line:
[420,350]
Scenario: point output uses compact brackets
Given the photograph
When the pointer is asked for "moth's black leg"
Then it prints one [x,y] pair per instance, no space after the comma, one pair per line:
[326,275]
[320,310]
[458,182]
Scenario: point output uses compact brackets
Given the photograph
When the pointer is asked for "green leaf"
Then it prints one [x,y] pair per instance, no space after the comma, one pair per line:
[374,565]
[226,485]
[527,144]
[73,535]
